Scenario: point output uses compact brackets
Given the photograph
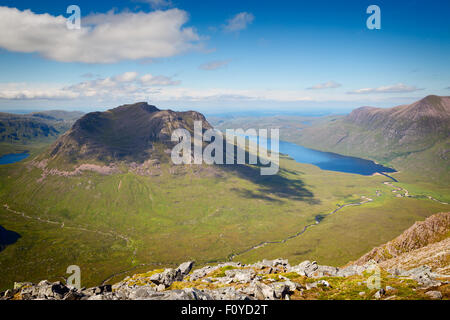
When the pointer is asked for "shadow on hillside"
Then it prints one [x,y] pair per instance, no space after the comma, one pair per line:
[270,188]
[7,238]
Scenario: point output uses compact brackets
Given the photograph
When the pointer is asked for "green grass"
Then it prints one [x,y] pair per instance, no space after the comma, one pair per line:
[44,251]
[194,215]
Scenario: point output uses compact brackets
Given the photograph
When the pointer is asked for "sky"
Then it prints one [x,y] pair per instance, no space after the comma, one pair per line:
[222,56]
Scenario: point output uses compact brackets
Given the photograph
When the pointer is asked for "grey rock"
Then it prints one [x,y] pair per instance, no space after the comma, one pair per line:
[327,271]
[241,275]
[350,271]
[141,293]
[380,293]
[8,294]
[309,286]
[435,295]
[254,290]
[167,277]
[280,290]
[306,268]
[185,268]
[424,276]
[44,283]
[324,283]
[160,288]
[73,295]
[200,273]
[389,288]
[280,262]
[293,286]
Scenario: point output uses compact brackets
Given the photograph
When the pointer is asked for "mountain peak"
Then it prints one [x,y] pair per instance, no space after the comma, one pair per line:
[144,106]
[428,114]
[132,132]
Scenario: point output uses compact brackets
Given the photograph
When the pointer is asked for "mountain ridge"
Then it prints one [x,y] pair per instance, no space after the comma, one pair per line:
[431,112]
[413,138]
[131,132]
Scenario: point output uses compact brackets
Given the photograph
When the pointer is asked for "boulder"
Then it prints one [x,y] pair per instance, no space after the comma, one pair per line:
[241,275]
[380,293]
[280,290]
[185,268]
[167,277]
[306,268]
[435,295]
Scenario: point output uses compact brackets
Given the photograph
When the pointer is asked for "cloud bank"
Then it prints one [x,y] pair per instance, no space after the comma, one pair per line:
[326,85]
[103,38]
[396,88]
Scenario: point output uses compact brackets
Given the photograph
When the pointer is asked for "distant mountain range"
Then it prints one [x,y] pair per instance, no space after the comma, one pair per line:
[35,127]
[413,137]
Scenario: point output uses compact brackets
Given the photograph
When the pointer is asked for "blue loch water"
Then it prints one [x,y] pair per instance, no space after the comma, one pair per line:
[329,161]
[13,158]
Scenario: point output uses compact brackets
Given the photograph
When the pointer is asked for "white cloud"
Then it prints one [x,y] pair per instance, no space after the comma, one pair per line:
[239,22]
[125,85]
[23,91]
[214,65]
[126,77]
[157,4]
[396,88]
[145,87]
[223,94]
[103,38]
[326,85]
[150,80]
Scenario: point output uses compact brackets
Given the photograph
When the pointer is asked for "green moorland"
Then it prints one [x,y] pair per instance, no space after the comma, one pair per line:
[108,224]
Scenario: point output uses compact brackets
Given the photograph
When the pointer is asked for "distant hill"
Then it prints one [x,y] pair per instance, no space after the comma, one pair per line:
[134,132]
[35,127]
[58,115]
[413,137]
[431,115]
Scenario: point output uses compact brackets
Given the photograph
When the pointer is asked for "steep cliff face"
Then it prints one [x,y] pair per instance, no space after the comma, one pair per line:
[129,132]
[426,242]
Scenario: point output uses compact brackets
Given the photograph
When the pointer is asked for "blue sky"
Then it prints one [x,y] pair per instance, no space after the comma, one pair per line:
[220,56]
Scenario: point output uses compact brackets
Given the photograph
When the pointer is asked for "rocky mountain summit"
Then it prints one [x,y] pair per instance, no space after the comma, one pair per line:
[134,132]
[265,280]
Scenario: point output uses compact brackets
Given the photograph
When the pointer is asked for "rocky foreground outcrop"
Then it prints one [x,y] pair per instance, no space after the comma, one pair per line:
[425,242]
[415,265]
[266,280]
